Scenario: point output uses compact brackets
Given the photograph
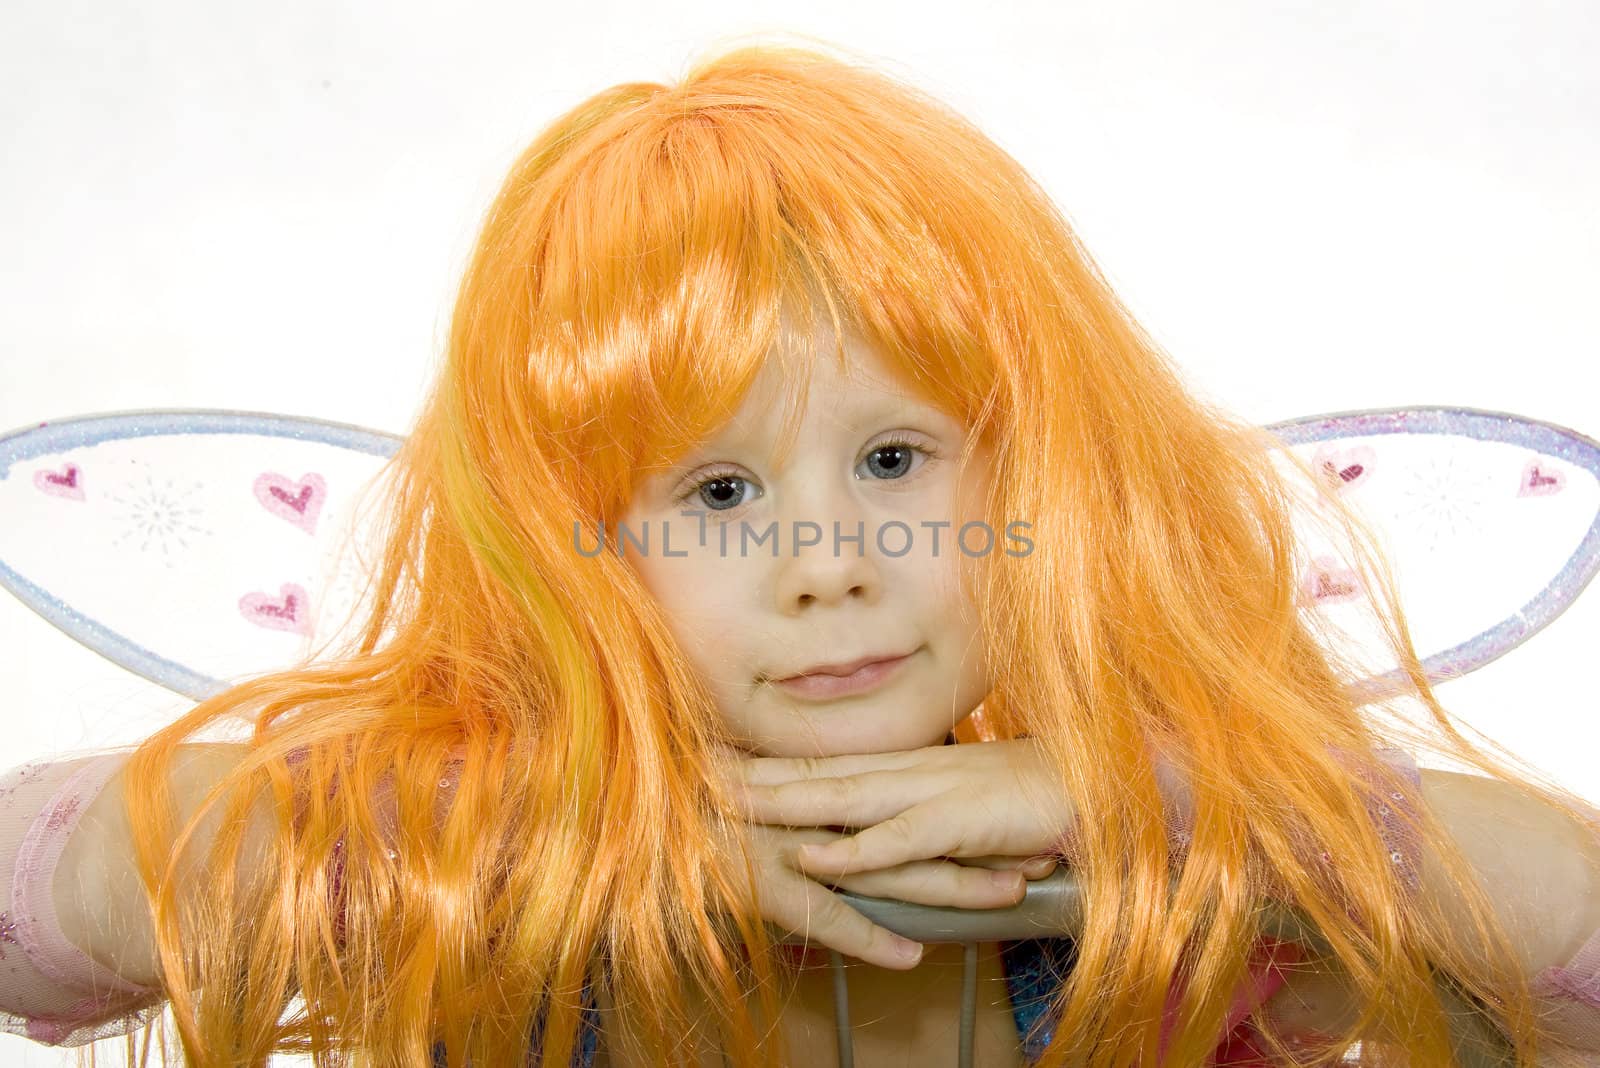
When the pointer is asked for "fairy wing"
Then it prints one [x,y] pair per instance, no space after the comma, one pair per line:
[1490,523]
[195,547]
[191,547]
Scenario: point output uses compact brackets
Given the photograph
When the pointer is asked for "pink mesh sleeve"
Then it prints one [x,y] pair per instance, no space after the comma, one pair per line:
[50,990]
[1571,991]
[1387,804]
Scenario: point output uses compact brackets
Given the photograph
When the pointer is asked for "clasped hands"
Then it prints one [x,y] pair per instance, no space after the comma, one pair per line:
[962,826]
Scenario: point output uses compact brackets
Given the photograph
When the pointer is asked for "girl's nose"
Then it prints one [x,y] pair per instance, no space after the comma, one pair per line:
[825,573]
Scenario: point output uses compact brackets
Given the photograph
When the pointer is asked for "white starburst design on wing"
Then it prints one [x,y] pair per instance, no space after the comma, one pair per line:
[159,515]
[1447,495]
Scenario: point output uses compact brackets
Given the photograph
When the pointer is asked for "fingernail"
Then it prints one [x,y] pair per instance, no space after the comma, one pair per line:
[1005,880]
[906,949]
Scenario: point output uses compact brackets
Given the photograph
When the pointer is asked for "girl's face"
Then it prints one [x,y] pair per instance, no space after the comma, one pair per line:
[756,588]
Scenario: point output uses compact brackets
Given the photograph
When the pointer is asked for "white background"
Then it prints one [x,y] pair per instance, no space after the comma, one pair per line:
[1314,207]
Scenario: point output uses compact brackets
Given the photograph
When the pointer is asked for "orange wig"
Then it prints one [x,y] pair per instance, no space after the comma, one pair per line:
[628,283]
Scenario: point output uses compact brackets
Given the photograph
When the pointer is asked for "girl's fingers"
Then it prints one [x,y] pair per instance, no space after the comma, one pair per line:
[1030,867]
[939,882]
[808,909]
[848,801]
[1038,867]
[915,834]
[770,771]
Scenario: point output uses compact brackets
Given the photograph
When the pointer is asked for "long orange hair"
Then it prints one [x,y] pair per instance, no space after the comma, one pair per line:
[624,291]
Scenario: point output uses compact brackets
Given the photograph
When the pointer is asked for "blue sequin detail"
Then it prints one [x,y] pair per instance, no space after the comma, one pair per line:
[1036,968]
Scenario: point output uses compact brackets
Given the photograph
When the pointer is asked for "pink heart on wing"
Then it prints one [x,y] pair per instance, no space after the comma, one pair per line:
[1327,581]
[1343,469]
[63,483]
[298,502]
[290,611]
[1540,479]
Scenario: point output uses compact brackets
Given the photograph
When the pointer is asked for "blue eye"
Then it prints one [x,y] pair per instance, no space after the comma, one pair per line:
[719,491]
[893,458]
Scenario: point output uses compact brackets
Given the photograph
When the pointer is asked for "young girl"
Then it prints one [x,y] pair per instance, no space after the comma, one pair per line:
[784,432]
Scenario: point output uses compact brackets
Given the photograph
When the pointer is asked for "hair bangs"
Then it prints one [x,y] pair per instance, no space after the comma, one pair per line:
[689,245]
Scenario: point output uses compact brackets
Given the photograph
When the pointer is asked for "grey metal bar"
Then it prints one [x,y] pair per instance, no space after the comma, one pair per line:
[1053,907]
[969,1002]
[841,1011]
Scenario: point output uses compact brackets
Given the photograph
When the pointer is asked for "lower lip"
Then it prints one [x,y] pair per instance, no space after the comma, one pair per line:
[823,687]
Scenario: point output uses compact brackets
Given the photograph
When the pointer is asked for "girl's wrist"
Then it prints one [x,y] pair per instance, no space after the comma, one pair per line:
[1177,804]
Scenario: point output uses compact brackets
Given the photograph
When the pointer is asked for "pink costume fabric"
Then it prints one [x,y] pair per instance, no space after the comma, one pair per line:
[50,990]
[54,993]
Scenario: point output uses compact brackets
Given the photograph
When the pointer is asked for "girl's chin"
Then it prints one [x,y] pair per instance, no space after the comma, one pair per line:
[827,736]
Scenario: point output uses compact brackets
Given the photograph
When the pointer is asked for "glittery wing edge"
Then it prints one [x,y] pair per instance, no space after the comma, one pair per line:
[1549,439]
[41,440]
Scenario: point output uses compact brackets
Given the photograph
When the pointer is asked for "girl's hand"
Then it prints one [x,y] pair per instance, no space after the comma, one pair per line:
[807,905]
[993,806]
[991,799]
[802,904]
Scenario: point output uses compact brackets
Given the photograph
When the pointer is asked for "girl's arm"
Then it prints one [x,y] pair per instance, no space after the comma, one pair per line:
[50,989]
[100,900]
[77,957]
[1537,868]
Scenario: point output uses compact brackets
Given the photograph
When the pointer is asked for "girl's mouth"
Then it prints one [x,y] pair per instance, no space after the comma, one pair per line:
[827,687]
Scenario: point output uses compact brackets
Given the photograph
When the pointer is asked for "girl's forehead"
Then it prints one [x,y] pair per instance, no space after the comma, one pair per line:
[832,402]
[812,358]
[859,372]
[825,388]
